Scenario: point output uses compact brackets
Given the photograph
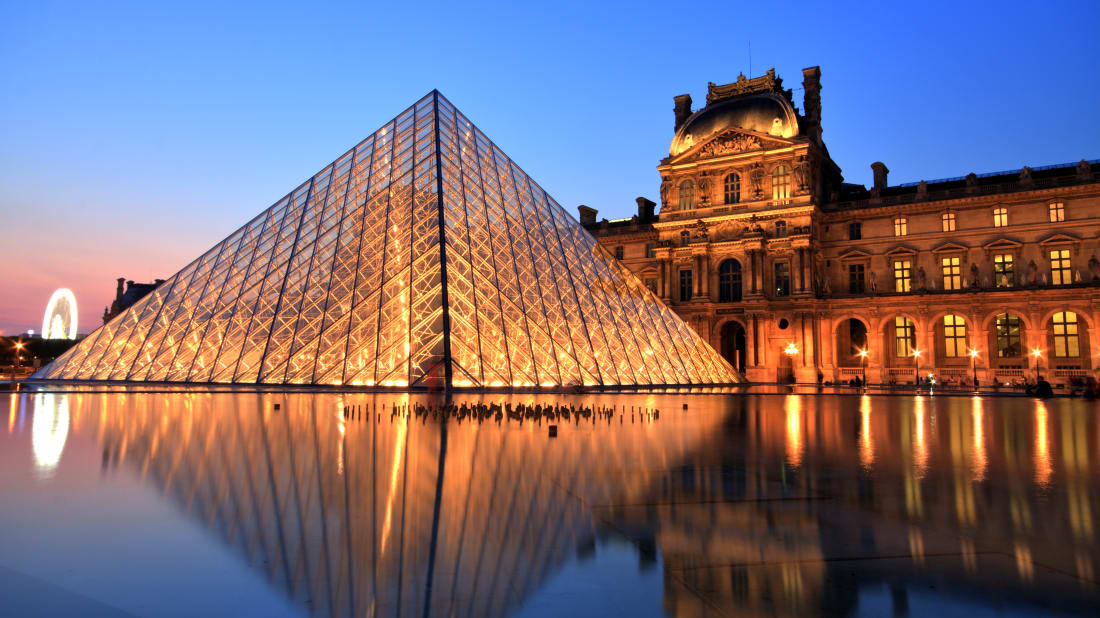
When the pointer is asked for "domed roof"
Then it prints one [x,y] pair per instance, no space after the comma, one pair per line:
[766,113]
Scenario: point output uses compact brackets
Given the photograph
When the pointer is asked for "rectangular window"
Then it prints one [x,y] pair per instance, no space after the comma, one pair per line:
[903,281]
[855,230]
[1009,342]
[782,278]
[618,253]
[652,285]
[1060,269]
[651,250]
[1067,341]
[901,226]
[952,273]
[905,337]
[954,336]
[1000,217]
[685,285]
[1057,212]
[855,279]
[948,220]
[1004,273]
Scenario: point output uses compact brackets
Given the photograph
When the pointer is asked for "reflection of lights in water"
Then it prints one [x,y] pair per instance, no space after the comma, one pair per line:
[398,455]
[978,459]
[866,444]
[793,407]
[49,431]
[1043,466]
[920,442]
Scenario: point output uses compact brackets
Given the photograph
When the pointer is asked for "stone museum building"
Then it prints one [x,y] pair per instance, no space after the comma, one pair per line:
[792,273]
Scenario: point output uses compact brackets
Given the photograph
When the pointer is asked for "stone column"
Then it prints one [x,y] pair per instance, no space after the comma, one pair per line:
[752,270]
[705,259]
[800,259]
[666,270]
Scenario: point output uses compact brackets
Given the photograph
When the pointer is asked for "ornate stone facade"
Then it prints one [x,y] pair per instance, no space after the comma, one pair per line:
[790,272]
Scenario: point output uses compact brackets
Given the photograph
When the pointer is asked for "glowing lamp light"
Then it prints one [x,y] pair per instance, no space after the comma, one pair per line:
[973,353]
[1036,353]
[791,349]
[916,353]
[59,321]
[863,353]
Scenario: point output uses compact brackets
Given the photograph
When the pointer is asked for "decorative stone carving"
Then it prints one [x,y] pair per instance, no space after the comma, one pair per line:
[975,276]
[1025,176]
[1094,268]
[922,190]
[872,282]
[700,231]
[971,183]
[729,143]
[756,177]
[1084,170]
[922,279]
[666,193]
[802,174]
[702,189]
[1030,275]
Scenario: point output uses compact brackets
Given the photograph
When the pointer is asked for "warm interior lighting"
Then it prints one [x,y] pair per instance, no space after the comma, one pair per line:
[791,349]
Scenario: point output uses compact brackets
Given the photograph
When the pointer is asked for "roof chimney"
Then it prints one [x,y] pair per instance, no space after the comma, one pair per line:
[588,215]
[811,83]
[682,109]
[645,209]
[881,171]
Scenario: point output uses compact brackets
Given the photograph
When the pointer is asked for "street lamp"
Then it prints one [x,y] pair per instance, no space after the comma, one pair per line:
[1036,353]
[973,366]
[863,366]
[791,351]
[18,357]
[916,367]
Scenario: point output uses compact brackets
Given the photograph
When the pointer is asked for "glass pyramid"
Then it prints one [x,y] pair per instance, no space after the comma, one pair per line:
[422,257]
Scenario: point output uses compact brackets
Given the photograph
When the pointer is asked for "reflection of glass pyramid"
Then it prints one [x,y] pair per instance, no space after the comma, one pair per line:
[422,257]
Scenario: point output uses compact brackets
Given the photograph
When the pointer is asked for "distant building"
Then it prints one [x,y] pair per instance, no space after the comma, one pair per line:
[126,294]
[789,271]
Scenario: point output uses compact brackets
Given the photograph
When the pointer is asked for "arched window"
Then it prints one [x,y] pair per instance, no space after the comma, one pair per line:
[1007,329]
[687,194]
[1067,340]
[780,229]
[729,281]
[781,183]
[732,186]
[685,238]
[954,336]
[905,337]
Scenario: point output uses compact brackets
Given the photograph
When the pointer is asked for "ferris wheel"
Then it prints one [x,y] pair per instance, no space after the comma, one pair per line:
[59,322]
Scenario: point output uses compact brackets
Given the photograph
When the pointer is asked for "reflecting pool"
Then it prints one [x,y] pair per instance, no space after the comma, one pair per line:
[290,504]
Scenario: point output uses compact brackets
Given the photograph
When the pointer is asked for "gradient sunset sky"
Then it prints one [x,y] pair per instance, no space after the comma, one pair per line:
[134,136]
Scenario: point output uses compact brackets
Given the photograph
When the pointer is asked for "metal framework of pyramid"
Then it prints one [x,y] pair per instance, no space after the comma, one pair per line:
[423,257]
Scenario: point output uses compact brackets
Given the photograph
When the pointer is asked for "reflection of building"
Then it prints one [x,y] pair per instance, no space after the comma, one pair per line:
[125,298]
[760,505]
[759,243]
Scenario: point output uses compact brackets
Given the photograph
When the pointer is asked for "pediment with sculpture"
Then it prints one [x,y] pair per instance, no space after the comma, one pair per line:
[732,141]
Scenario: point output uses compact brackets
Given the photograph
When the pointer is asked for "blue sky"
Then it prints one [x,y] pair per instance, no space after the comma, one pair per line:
[133,136]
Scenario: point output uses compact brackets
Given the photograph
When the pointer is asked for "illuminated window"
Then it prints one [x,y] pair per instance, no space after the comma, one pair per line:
[1060,271]
[855,279]
[1057,212]
[685,285]
[952,273]
[780,229]
[905,337]
[948,221]
[781,183]
[855,230]
[651,250]
[902,275]
[732,188]
[901,226]
[782,278]
[687,194]
[685,238]
[1004,273]
[1000,217]
[619,252]
[729,281]
[1007,329]
[954,336]
[1067,341]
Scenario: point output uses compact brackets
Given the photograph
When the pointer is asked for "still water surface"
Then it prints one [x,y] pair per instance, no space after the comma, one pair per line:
[186,504]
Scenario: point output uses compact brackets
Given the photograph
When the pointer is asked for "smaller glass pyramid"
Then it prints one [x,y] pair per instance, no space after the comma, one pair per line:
[423,257]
